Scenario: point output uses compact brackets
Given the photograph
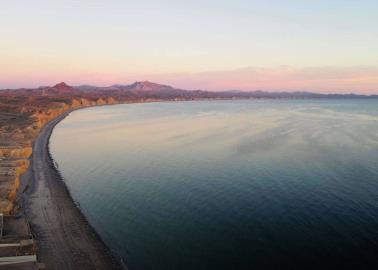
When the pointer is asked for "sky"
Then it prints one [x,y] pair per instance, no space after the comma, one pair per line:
[323,46]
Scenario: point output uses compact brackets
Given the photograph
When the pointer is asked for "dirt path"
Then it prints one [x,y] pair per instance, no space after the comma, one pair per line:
[65,239]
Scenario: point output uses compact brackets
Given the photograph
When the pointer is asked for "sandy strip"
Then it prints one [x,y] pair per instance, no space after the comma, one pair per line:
[65,239]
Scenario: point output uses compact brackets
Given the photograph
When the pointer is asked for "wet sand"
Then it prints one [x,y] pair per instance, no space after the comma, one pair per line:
[65,239]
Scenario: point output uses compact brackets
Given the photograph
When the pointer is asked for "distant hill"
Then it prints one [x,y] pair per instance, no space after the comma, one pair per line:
[58,89]
[154,89]
[146,89]
[62,87]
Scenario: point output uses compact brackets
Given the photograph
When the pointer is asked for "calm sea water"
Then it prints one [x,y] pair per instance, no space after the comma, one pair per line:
[228,184]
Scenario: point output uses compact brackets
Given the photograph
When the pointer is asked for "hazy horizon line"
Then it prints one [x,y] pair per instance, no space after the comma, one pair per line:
[185,89]
[320,79]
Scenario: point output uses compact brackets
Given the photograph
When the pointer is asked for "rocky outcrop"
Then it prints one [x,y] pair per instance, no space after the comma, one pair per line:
[111,100]
[101,101]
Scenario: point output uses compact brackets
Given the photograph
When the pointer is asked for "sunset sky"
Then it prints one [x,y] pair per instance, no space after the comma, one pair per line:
[323,46]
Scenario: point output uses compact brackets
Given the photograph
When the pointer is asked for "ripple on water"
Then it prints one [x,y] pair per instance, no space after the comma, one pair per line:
[228,184]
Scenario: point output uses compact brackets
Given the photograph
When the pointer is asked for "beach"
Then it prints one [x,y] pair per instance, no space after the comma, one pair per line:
[65,238]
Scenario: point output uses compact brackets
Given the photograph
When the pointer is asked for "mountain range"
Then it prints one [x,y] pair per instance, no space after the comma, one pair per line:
[146,89]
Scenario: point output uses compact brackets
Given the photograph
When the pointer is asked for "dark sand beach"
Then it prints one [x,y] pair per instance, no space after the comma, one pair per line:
[65,239]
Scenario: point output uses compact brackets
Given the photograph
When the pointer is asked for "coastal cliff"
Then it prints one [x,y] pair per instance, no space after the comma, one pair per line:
[21,119]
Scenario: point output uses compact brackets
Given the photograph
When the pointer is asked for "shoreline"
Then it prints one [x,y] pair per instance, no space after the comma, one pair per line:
[35,196]
[65,238]
[35,202]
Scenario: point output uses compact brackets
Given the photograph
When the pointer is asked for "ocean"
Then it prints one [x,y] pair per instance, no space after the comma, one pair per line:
[241,184]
